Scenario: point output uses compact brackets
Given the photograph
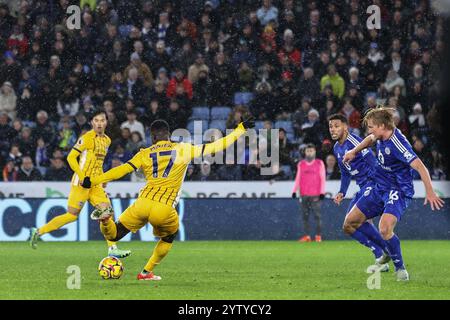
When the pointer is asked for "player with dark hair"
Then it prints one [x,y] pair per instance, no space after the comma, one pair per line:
[164,164]
[91,150]
[362,169]
[394,188]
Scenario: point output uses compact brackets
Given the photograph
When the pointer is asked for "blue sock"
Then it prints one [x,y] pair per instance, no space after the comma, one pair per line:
[364,240]
[396,252]
[372,233]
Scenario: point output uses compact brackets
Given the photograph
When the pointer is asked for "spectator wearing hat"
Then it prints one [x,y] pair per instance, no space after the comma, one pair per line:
[10,70]
[8,100]
[335,80]
[312,130]
[143,70]
[198,66]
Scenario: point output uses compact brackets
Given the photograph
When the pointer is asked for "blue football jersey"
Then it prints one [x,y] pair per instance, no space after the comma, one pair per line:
[362,168]
[393,170]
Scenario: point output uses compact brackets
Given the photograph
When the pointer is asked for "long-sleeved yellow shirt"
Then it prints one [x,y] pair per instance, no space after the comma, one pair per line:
[164,165]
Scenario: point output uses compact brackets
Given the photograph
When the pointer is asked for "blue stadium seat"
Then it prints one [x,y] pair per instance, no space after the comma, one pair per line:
[286,125]
[291,137]
[259,125]
[243,98]
[218,124]
[220,113]
[200,113]
[204,125]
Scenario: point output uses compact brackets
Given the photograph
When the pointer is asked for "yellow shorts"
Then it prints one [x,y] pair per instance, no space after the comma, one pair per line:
[162,217]
[79,195]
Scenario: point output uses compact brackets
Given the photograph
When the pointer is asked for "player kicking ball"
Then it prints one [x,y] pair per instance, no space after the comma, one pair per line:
[362,169]
[394,184]
[91,148]
[164,165]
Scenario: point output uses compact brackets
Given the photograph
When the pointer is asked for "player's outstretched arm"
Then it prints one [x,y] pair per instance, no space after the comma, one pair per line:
[367,142]
[225,142]
[431,197]
[73,163]
[113,174]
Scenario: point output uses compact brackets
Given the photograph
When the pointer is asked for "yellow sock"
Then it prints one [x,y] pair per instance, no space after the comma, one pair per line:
[57,222]
[109,230]
[161,250]
[110,243]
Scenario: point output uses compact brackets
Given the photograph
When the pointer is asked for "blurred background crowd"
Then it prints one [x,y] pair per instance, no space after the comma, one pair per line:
[290,63]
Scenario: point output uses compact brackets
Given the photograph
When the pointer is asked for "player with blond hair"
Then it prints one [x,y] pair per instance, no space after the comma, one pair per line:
[394,188]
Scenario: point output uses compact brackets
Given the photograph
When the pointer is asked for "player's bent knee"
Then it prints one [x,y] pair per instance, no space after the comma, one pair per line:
[122,231]
[169,239]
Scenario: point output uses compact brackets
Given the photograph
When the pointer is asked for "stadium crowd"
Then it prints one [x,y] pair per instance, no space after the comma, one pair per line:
[290,63]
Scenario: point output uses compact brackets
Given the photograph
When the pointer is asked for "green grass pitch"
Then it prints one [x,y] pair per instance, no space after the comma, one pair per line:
[224,270]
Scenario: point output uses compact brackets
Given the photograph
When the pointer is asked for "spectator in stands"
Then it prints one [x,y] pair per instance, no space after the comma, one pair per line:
[206,173]
[195,69]
[10,171]
[336,81]
[58,171]
[135,143]
[310,181]
[25,141]
[50,69]
[27,171]
[67,137]
[179,86]
[331,168]
[133,124]
[285,148]
[312,131]
[8,100]
[42,159]
[267,13]
[143,71]
[177,115]
[353,116]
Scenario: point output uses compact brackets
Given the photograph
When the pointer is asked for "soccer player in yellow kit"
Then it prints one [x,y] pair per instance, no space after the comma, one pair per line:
[164,165]
[91,148]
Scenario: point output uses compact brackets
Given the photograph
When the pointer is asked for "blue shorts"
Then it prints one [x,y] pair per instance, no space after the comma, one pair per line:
[359,194]
[376,202]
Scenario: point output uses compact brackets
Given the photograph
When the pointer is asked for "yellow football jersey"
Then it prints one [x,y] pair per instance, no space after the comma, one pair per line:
[93,149]
[164,165]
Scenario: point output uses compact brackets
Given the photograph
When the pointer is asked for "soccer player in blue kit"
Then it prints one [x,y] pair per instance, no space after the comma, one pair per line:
[362,169]
[394,187]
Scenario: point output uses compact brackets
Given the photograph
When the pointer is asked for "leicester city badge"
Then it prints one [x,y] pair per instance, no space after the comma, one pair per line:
[387,150]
